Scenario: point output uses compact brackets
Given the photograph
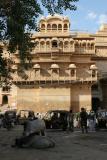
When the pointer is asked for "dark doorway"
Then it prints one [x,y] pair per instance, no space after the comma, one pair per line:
[4,99]
[95,104]
[54,44]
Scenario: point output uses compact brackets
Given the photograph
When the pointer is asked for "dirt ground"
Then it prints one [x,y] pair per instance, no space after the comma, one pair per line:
[69,146]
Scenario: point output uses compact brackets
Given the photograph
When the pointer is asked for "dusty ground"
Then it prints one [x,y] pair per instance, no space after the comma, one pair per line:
[69,146]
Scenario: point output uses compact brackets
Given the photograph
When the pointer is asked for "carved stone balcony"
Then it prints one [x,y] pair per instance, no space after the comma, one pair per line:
[53,50]
[84,51]
[87,79]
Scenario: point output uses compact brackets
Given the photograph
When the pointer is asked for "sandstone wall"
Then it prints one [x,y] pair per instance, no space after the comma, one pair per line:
[81,97]
[43,99]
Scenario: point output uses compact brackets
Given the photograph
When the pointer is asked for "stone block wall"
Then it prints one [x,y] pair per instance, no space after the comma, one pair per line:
[43,99]
[81,97]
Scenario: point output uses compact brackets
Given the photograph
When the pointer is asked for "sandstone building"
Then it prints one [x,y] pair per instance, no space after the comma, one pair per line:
[68,70]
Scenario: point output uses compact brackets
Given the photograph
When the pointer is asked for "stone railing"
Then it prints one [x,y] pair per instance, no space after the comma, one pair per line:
[87,79]
[84,51]
[54,49]
[59,79]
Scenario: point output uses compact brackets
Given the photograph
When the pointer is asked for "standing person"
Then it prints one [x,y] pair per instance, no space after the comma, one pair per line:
[1,120]
[70,120]
[63,118]
[83,120]
[92,120]
[7,120]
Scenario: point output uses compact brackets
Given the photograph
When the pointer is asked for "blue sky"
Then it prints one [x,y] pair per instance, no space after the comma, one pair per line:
[90,14]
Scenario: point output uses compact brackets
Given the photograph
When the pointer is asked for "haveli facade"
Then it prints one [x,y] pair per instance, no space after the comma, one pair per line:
[68,70]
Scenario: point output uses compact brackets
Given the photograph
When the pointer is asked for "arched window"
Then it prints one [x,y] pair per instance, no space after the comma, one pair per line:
[66,44]
[36,44]
[48,27]
[54,27]
[42,44]
[83,47]
[93,68]
[43,27]
[92,46]
[93,73]
[61,45]
[72,72]
[72,68]
[59,26]
[88,46]
[77,47]
[71,44]
[65,27]
[4,99]
[47,44]
[54,44]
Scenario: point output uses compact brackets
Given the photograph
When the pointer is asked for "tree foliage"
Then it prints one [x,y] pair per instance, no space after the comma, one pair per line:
[57,6]
[19,17]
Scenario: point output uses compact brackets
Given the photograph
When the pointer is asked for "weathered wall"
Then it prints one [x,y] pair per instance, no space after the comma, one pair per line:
[13,97]
[104,94]
[102,67]
[81,97]
[43,99]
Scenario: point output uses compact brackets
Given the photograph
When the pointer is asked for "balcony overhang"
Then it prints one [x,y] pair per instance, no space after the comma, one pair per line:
[72,66]
[93,67]
[54,66]
[36,66]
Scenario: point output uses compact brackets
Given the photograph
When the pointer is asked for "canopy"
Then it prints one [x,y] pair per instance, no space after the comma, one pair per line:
[56,66]
[72,66]
[93,66]
[36,66]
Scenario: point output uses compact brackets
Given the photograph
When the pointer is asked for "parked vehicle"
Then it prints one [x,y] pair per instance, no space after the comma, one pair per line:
[23,115]
[9,119]
[56,119]
[102,119]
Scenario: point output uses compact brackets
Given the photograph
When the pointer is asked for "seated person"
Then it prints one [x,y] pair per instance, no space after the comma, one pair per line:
[32,127]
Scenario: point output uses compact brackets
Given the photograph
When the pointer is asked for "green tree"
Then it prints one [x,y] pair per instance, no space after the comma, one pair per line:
[19,17]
